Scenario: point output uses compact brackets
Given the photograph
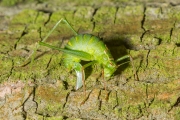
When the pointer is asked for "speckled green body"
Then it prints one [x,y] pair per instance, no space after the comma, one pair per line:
[95,47]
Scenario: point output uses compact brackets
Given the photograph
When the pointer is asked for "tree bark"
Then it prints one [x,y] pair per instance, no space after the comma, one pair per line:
[146,30]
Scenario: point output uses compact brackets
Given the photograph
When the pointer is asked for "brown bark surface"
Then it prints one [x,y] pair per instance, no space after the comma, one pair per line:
[147,30]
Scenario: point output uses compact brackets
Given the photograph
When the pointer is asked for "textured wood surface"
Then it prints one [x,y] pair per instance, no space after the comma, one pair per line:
[147,30]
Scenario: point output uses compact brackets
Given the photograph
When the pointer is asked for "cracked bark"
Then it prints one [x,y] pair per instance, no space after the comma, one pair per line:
[150,32]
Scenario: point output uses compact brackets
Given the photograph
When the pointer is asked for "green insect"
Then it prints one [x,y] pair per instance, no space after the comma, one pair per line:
[84,47]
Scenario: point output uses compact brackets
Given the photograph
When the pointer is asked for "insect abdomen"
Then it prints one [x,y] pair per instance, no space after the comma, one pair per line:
[89,44]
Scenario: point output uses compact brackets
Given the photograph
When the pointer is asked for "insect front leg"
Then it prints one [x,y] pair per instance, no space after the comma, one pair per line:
[122,58]
[132,63]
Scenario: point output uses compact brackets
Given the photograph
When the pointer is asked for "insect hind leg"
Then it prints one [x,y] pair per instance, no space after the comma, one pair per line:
[64,20]
[33,54]
[55,26]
